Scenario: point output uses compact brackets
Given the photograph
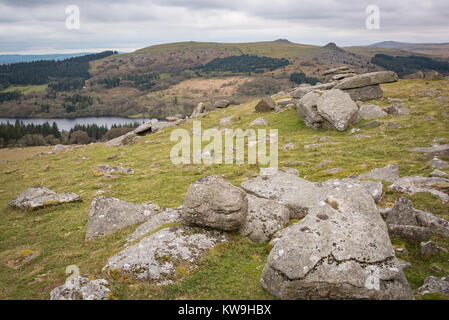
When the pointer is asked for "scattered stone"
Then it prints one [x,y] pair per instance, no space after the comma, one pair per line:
[259,122]
[412,185]
[39,197]
[334,170]
[437,150]
[429,249]
[226,120]
[389,173]
[176,117]
[284,102]
[265,218]
[164,256]
[297,194]
[436,163]
[108,171]
[167,216]
[107,215]
[409,233]
[222,104]
[361,136]
[317,145]
[396,100]
[370,111]
[397,110]
[265,104]
[340,250]
[81,288]
[125,139]
[434,285]
[394,125]
[288,146]
[60,147]
[438,173]
[214,202]
[292,171]
[324,163]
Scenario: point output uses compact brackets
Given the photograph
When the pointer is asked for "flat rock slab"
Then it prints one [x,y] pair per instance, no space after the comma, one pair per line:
[433,185]
[340,250]
[166,255]
[374,188]
[156,221]
[303,90]
[265,217]
[389,173]
[437,150]
[368,79]
[297,194]
[107,215]
[81,288]
[40,197]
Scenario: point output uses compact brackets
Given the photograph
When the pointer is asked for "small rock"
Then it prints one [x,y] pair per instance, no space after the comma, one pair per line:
[429,249]
[389,173]
[438,173]
[288,146]
[397,110]
[436,163]
[435,285]
[259,122]
[265,104]
[80,288]
[40,197]
[370,111]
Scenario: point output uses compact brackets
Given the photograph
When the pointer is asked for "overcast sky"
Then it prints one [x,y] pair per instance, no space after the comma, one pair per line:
[39,26]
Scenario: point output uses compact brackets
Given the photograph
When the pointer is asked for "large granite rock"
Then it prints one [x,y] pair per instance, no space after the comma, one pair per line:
[338,109]
[297,194]
[265,218]
[199,109]
[109,214]
[164,256]
[81,288]
[125,139]
[374,188]
[301,91]
[433,185]
[368,79]
[39,197]
[222,104]
[214,202]
[340,250]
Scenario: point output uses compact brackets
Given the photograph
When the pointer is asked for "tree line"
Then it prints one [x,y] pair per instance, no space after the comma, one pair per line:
[300,77]
[44,71]
[410,64]
[243,64]
[24,135]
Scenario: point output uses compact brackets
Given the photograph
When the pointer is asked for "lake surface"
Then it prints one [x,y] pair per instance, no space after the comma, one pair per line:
[69,123]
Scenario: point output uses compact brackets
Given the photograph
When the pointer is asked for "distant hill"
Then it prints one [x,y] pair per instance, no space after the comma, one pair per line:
[432,49]
[15,58]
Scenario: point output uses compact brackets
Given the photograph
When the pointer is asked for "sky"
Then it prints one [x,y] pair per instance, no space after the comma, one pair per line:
[43,26]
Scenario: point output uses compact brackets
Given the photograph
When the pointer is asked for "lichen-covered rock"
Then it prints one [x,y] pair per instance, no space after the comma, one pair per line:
[435,285]
[39,197]
[265,217]
[340,250]
[368,79]
[412,185]
[80,288]
[164,256]
[165,217]
[301,91]
[429,249]
[109,214]
[214,202]
[409,233]
[389,173]
[374,188]
[436,163]
[365,93]
[108,171]
[297,194]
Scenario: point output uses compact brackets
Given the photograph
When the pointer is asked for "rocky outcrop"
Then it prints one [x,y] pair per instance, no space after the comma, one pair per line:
[265,217]
[264,105]
[340,250]
[301,91]
[365,93]
[412,185]
[336,74]
[332,109]
[437,150]
[297,194]
[164,256]
[367,79]
[81,288]
[39,197]
[214,202]
[258,122]
[107,215]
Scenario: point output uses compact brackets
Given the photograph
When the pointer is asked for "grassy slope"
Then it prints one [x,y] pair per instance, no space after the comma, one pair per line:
[232,270]
[26,89]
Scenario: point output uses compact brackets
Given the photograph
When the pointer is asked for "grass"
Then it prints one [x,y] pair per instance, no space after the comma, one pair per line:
[230,271]
[26,89]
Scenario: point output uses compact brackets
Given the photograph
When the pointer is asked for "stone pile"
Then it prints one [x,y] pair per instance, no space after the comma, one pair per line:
[337,74]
